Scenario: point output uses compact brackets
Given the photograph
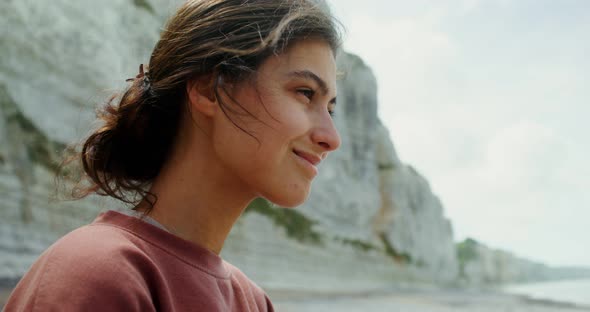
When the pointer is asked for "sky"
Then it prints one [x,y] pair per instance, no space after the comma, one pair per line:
[490,101]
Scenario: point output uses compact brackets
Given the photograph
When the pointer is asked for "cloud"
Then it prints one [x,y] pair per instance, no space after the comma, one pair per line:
[524,195]
[525,155]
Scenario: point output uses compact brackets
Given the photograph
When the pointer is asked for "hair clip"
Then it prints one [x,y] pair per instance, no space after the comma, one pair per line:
[140,75]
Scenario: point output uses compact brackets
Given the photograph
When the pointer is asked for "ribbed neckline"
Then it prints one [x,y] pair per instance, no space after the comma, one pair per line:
[186,251]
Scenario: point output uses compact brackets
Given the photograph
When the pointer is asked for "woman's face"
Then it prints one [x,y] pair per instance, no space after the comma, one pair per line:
[291,99]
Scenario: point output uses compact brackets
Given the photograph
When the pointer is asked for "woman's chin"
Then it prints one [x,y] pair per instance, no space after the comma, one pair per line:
[291,201]
[290,205]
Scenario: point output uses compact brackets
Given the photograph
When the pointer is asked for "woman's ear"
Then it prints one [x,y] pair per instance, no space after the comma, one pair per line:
[201,95]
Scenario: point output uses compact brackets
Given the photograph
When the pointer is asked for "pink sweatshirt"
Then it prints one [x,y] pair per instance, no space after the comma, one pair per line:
[121,263]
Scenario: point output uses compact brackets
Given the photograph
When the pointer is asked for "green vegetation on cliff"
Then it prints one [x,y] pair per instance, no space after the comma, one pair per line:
[295,224]
[24,134]
[466,252]
[393,253]
[144,4]
[358,244]
[300,227]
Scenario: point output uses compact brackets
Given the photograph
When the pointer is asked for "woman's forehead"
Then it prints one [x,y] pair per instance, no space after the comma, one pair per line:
[310,59]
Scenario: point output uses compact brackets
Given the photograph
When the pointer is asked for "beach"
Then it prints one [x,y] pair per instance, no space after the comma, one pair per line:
[417,301]
[414,300]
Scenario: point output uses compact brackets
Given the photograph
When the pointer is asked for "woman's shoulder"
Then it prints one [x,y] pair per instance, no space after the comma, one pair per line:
[96,245]
[92,251]
[94,263]
[95,240]
[249,287]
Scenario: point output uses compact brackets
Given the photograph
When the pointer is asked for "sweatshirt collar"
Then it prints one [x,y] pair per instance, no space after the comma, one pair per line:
[186,251]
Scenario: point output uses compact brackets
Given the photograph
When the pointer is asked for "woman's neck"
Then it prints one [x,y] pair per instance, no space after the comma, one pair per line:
[197,199]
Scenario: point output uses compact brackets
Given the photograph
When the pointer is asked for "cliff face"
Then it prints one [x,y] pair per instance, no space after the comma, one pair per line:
[56,59]
[370,218]
[411,217]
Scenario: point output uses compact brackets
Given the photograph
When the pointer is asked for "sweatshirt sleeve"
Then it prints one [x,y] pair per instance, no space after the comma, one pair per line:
[74,277]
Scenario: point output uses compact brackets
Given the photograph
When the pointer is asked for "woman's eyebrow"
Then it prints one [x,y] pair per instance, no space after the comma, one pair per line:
[307,74]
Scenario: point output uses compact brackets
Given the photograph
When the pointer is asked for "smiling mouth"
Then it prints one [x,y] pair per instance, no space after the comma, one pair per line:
[312,159]
[309,161]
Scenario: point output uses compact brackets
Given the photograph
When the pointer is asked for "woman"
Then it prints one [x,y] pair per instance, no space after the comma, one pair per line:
[236,105]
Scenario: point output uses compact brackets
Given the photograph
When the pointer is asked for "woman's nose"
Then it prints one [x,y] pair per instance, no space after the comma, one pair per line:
[326,135]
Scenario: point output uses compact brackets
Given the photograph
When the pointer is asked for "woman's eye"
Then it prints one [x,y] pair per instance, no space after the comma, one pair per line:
[308,93]
[331,110]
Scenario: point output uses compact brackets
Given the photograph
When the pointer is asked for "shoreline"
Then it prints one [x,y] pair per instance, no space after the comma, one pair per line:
[555,303]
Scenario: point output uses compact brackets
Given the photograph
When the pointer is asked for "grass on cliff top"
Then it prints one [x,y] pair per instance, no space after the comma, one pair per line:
[466,252]
[295,224]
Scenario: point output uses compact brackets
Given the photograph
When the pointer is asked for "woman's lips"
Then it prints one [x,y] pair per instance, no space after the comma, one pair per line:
[309,160]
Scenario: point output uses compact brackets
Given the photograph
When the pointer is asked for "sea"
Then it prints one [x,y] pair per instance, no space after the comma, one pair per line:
[572,291]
